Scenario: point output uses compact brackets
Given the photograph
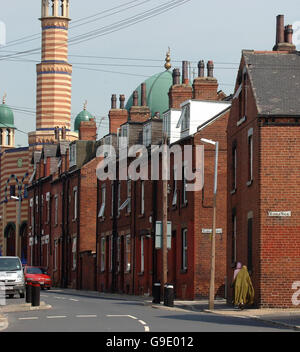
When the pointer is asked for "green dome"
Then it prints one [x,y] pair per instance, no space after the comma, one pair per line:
[6,117]
[83,116]
[157,88]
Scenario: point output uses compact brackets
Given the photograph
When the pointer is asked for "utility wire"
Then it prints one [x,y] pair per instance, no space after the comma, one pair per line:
[110,28]
[38,35]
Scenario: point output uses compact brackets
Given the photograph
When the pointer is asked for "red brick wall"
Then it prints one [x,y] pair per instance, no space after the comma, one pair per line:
[280,243]
[275,187]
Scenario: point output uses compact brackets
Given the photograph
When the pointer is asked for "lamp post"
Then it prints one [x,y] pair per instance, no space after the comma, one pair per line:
[18,222]
[213,238]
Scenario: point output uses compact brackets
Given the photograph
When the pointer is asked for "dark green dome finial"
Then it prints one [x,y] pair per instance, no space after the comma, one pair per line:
[83,116]
[6,115]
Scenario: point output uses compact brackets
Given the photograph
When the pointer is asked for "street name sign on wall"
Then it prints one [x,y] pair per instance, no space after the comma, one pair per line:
[209,231]
[282,214]
[158,234]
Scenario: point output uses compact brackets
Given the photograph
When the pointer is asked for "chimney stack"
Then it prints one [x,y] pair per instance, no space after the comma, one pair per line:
[88,130]
[284,36]
[117,116]
[179,93]
[206,88]
[139,113]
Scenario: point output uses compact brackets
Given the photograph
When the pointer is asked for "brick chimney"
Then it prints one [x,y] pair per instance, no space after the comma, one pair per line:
[139,113]
[284,36]
[117,116]
[206,88]
[179,93]
[88,130]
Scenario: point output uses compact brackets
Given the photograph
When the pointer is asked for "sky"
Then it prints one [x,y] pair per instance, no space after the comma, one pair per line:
[119,60]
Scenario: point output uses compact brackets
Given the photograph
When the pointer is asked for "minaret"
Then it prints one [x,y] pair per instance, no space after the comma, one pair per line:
[54,75]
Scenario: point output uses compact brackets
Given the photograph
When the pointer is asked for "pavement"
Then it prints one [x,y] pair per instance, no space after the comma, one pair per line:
[287,318]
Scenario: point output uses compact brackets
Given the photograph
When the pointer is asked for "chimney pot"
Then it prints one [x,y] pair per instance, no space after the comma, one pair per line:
[201,67]
[185,72]
[280,29]
[210,69]
[288,34]
[176,76]
[143,94]
[114,101]
[122,101]
[135,98]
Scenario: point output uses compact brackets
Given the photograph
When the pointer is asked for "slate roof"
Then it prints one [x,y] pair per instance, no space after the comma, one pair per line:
[275,79]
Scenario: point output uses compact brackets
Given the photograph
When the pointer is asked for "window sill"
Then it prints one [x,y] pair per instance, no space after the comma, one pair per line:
[241,121]
[233,191]
[249,183]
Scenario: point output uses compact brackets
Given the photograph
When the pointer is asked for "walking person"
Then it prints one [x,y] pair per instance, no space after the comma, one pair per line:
[238,267]
[243,289]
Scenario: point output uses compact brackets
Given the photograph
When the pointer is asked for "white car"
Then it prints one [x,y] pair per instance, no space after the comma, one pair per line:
[12,276]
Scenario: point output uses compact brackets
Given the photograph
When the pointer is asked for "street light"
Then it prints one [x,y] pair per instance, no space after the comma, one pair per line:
[19,199]
[213,239]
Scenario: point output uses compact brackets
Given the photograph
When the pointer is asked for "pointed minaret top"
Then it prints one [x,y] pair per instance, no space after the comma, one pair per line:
[85,105]
[168,60]
[4,98]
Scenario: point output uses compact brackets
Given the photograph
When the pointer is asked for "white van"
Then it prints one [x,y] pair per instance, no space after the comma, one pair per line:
[12,276]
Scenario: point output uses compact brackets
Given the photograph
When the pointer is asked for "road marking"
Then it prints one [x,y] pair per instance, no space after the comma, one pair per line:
[142,322]
[147,329]
[132,317]
[87,316]
[56,316]
[29,318]
[73,299]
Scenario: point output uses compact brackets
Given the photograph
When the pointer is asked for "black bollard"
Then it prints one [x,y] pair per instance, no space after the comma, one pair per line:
[156,293]
[169,295]
[28,292]
[36,292]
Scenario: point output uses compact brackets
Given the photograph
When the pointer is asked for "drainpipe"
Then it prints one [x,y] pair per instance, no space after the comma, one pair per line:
[134,239]
[154,218]
[78,228]
[62,278]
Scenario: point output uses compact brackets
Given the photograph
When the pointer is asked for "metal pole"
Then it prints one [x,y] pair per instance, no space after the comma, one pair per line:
[165,215]
[213,239]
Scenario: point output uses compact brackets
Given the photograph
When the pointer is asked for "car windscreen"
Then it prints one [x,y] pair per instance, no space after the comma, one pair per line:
[10,264]
[35,271]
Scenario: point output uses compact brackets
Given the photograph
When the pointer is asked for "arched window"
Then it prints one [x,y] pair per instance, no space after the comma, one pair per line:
[8,139]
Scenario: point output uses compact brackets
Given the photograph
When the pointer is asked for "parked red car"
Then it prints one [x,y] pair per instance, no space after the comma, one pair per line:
[39,274]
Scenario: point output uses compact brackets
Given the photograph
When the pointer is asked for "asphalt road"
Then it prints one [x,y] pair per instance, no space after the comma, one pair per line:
[78,313]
